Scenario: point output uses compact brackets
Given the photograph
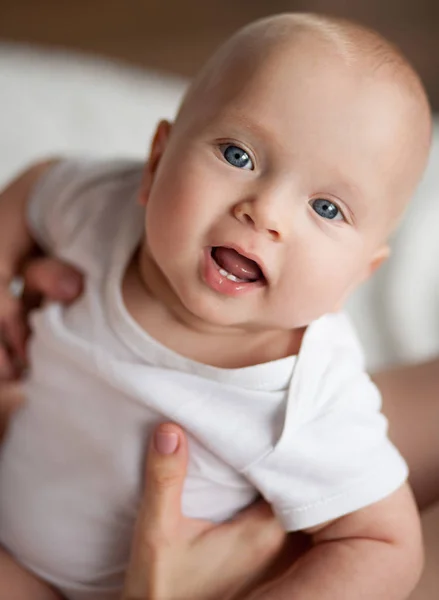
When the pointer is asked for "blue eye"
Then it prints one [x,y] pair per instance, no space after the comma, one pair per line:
[237,157]
[327,209]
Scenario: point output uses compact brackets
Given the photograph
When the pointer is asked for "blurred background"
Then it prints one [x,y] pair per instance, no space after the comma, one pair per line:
[177,35]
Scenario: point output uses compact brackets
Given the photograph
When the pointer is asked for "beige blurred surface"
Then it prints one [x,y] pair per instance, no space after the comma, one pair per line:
[177,35]
[428,588]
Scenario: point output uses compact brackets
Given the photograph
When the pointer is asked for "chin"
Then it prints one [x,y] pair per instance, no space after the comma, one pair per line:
[212,316]
[211,312]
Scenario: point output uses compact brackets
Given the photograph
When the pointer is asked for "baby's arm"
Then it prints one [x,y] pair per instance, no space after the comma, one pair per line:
[375,552]
[18,584]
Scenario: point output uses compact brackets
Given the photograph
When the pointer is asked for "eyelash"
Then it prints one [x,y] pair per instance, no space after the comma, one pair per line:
[334,203]
[223,144]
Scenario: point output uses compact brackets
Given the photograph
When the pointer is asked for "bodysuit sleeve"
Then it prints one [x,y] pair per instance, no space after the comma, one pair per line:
[333,456]
[74,195]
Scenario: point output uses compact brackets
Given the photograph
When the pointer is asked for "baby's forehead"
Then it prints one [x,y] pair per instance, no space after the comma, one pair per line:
[319,69]
[295,81]
[300,38]
[263,69]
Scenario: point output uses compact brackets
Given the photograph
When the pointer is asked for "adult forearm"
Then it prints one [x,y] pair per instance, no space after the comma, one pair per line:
[346,569]
[410,402]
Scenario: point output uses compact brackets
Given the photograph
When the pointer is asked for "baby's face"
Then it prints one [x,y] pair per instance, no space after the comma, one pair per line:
[270,205]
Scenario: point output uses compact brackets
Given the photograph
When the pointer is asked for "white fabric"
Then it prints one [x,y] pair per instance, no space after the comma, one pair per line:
[306,433]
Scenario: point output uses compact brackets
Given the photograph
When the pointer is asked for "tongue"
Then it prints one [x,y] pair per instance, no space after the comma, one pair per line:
[236,264]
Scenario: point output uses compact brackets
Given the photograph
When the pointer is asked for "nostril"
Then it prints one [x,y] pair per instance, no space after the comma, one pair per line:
[248,219]
[274,234]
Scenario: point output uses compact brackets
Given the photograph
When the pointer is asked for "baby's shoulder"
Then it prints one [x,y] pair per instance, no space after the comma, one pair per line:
[333,337]
[79,188]
[330,368]
[80,206]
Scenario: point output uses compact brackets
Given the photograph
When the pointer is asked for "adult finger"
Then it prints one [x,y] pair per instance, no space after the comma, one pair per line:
[7,370]
[52,279]
[160,509]
[16,332]
[266,532]
[166,469]
[11,397]
[258,528]
[266,547]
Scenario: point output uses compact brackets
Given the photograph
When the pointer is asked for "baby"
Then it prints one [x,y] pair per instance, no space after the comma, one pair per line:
[215,276]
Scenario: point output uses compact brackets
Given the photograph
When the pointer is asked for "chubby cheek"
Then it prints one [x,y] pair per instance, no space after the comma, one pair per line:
[186,199]
[170,219]
[317,283]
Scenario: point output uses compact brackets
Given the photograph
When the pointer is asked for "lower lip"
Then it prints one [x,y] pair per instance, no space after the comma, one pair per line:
[221,284]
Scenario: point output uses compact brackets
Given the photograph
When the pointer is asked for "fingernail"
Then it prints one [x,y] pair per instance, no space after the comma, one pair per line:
[165,442]
[70,285]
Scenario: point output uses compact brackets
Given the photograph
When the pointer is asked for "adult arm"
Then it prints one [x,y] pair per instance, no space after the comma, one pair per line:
[411,404]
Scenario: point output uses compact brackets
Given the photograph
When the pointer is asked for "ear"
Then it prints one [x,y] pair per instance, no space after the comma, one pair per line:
[376,261]
[381,255]
[158,145]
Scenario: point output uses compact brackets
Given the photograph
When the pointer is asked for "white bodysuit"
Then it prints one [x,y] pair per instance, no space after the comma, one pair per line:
[305,432]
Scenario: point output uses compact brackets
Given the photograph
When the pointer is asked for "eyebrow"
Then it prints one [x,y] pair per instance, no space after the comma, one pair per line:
[243,121]
[347,188]
[251,126]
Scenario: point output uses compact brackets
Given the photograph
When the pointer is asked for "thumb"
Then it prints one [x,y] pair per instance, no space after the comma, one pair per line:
[52,279]
[159,514]
[166,468]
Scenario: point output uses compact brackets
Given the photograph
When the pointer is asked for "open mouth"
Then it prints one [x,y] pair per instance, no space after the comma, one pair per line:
[236,267]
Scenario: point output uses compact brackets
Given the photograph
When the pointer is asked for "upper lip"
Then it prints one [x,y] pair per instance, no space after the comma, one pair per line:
[254,257]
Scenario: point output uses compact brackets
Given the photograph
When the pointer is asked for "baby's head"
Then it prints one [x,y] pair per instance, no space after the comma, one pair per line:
[291,160]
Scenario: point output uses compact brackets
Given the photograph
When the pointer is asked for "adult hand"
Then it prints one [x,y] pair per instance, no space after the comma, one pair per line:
[175,558]
[43,278]
[51,278]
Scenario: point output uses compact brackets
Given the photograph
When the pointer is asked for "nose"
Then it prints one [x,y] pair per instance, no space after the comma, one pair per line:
[262,215]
